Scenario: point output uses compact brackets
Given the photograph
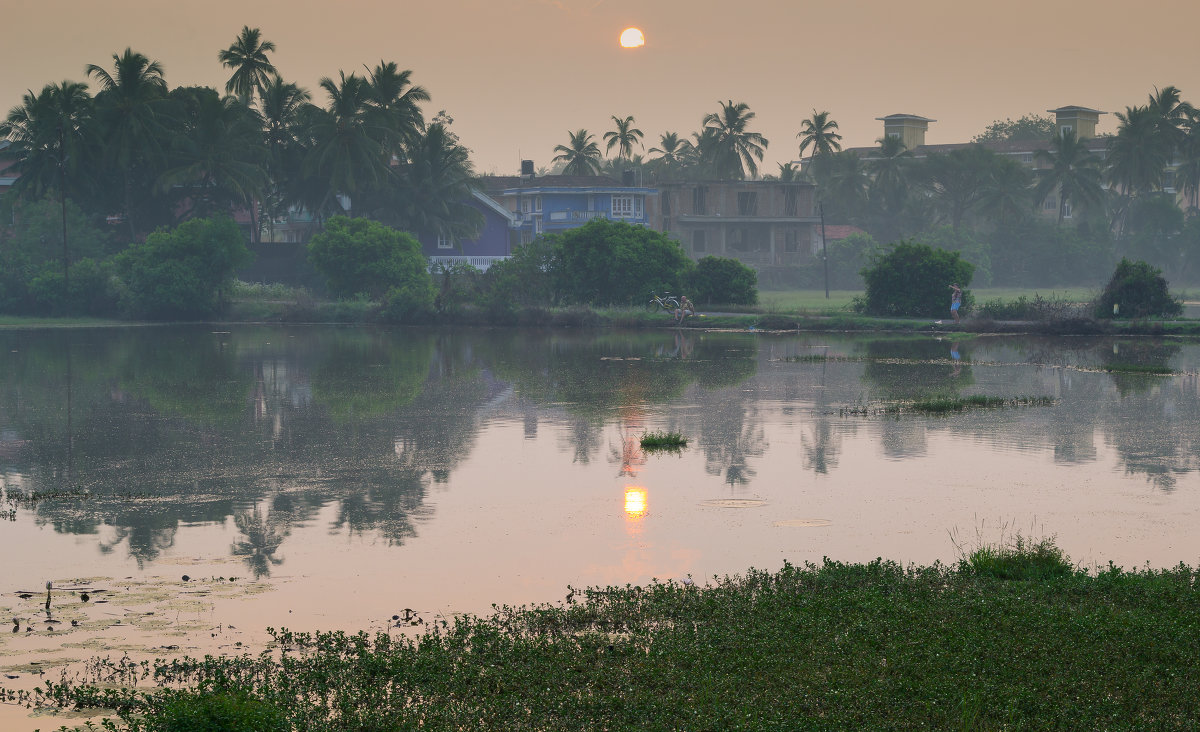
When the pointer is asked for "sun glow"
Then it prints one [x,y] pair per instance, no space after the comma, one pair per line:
[635,503]
[632,38]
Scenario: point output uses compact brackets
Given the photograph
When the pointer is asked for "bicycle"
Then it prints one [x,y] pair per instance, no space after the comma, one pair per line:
[668,303]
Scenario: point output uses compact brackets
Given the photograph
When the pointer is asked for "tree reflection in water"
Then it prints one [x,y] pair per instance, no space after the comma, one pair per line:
[269,425]
[263,537]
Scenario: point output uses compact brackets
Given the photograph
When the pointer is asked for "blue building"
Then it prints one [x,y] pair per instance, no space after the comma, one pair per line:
[550,203]
[494,241]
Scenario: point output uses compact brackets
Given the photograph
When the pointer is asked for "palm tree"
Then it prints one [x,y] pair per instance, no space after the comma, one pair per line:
[285,109]
[247,56]
[131,104]
[1187,175]
[820,133]
[218,159]
[346,155]
[956,180]
[1007,194]
[1074,172]
[889,170]
[1139,153]
[673,155]
[394,102]
[1172,114]
[623,137]
[734,150]
[436,189]
[581,155]
[46,134]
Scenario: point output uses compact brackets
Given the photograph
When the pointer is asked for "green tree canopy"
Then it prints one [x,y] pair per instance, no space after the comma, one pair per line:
[182,273]
[360,256]
[913,279]
[606,262]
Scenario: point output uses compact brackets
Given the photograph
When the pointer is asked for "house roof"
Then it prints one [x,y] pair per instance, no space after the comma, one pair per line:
[491,203]
[834,232]
[1004,147]
[497,183]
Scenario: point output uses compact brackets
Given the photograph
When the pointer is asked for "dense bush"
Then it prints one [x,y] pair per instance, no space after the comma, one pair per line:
[91,291]
[411,302]
[190,711]
[723,280]
[913,279]
[1137,290]
[184,272]
[608,262]
[522,280]
[360,256]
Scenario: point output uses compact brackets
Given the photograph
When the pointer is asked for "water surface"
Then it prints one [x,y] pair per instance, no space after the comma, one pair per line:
[341,475]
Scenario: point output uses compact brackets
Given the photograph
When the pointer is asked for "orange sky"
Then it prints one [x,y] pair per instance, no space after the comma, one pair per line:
[516,75]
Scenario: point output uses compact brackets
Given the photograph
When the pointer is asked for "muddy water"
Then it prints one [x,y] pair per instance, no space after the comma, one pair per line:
[336,478]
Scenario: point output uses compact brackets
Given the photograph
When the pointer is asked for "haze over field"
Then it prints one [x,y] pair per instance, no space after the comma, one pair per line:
[516,75]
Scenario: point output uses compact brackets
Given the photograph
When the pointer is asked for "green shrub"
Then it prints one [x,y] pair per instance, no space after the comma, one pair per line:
[457,285]
[614,263]
[411,302]
[182,273]
[913,279]
[1020,559]
[360,256]
[1137,290]
[723,280]
[198,711]
[91,291]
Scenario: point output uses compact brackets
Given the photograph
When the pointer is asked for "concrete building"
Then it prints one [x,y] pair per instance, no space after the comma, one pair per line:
[760,223]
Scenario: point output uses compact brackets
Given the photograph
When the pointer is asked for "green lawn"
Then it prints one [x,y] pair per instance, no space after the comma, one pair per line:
[813,301]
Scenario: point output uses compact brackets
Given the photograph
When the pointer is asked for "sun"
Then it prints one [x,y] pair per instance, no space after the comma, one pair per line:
[632,38]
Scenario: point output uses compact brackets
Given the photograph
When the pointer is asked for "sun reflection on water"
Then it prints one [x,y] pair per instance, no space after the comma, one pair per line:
[635,503]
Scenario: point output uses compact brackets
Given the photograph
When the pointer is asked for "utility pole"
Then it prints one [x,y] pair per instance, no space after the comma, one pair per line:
[824,249]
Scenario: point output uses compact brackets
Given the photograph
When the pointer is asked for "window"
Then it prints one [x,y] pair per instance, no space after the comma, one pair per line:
[698,243]
[526,236]
[526,205]
[789,202]
[537,203]
[1051,203]
[698,196]
[1066,209]
[444,242]
[791,242]
[627,207]
[1064,129]
[747,203]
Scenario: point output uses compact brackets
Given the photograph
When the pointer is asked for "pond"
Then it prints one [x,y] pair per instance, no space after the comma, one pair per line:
[354,478]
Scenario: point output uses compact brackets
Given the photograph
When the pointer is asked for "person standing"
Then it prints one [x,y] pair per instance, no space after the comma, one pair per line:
[955,300]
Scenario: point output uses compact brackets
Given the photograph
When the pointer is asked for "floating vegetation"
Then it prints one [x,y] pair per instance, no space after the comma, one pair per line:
[810,358]
[946,405]
[1138,368]
[663,441]
[66,494]
[674,655]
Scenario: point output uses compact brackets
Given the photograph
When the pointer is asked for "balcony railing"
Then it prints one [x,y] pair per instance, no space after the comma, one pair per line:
[577,215]
[479,263]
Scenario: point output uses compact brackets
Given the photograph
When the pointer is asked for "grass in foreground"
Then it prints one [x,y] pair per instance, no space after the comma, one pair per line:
[832,646]
[663,441]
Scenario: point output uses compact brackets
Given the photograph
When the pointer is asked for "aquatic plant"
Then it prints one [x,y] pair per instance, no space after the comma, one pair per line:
[663,440]
[856,646]
[1138,368]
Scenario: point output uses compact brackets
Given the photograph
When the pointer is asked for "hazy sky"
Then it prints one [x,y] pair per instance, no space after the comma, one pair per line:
[516,75]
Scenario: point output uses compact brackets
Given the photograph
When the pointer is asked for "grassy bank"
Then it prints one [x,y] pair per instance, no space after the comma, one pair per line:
[1012,637]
